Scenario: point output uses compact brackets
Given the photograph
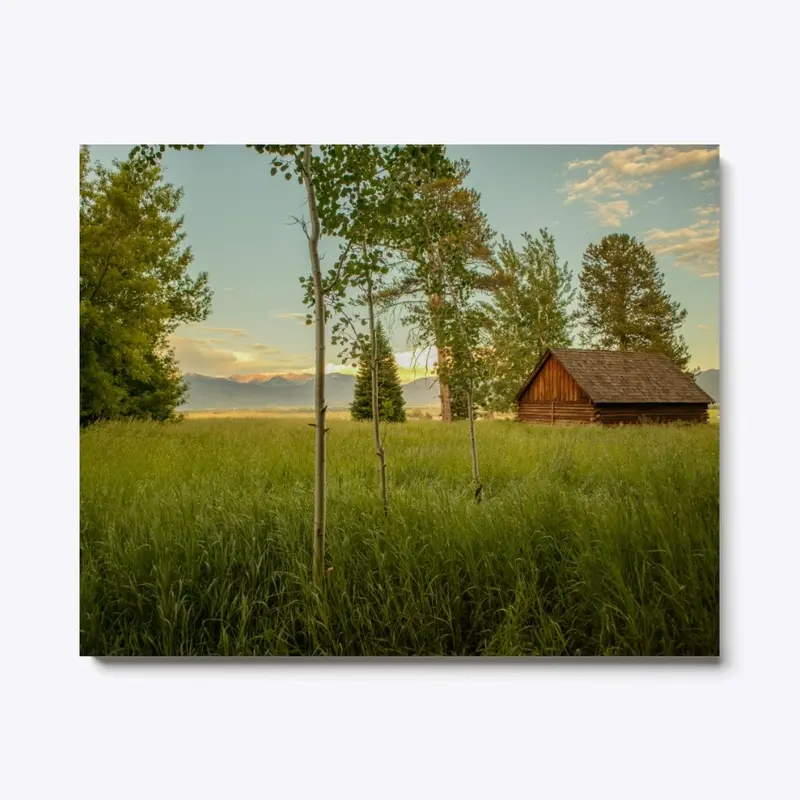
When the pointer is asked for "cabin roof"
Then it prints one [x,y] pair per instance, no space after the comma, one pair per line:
[614,376]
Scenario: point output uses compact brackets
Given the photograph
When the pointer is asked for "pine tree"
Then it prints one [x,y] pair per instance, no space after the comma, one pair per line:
[390,392]
[623,302]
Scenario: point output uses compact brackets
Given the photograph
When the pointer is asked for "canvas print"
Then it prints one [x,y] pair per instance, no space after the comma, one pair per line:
[399,400]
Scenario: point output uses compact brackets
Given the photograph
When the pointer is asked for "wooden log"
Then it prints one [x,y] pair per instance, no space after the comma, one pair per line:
[555,412]
[618,414]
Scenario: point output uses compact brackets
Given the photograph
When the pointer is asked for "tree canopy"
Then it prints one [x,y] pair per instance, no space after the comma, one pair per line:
[623,302]
[529,311]
[135,290]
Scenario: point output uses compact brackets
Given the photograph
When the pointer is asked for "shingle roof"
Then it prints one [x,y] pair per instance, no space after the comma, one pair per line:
[613,376]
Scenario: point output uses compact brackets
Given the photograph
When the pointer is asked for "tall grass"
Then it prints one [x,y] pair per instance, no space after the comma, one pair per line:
[195,540]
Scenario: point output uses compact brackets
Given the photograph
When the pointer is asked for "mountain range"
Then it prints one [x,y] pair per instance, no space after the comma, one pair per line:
[708,381]
[288,391]
[295,390]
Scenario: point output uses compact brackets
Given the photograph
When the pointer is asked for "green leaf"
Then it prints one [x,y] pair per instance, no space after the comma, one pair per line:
[130,304]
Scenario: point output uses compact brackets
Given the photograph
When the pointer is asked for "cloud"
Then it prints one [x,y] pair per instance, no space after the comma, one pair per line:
[227,331]
[207,357]
[229,289]
[418,361]
[199,355]
[262,348]
[412,365]
[346,369]
[298,317]
[694,247]
[612,213]
[655,202]
[706,211]
[632,170]
[707,180]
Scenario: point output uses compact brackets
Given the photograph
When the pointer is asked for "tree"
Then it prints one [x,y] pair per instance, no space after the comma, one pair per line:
[390,393]
[375,196]
[462,328]
[468,365]
[447,244]
[310,171]
[343,191]
[529,311]
[623,303]
[444,232]
[134,291]
[306,167]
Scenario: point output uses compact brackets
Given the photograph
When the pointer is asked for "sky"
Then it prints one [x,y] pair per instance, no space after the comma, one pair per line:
[238,224]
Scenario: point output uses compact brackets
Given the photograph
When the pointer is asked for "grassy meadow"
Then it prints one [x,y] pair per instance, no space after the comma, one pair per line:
[195,540]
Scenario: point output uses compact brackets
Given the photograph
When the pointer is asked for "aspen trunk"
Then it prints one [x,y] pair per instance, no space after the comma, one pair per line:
[318,540]
[473,445]
[434,306]
[376,431]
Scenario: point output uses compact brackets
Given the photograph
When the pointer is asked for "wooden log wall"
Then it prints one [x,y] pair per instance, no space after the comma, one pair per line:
[553,412]
[631,414]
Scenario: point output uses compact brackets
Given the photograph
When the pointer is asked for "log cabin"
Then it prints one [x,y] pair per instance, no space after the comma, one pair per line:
[609,387]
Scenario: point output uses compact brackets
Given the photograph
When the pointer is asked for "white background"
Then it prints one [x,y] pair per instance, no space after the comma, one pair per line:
[610,72]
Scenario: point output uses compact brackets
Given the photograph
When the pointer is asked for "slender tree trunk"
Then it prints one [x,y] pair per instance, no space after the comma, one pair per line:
[318,542]
[376,431]
[473,444]
[434,306]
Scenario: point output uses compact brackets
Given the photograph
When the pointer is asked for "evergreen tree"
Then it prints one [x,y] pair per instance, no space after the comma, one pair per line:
[390,392]
[623,302]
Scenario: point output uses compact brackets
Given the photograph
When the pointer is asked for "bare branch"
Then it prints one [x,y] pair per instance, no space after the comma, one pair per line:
[302,223]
